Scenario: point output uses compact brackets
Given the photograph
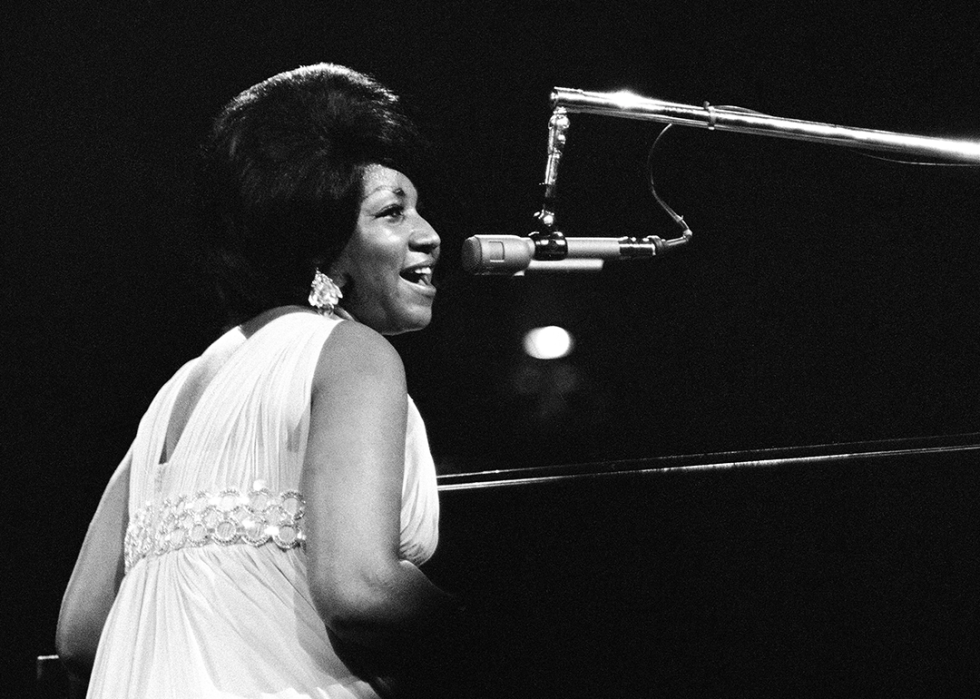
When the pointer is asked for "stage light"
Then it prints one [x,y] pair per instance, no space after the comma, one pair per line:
[550,342]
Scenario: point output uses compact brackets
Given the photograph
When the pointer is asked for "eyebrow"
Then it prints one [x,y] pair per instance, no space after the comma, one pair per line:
[397,191]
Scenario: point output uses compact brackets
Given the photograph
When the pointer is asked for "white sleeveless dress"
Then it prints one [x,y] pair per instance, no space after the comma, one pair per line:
[215,600]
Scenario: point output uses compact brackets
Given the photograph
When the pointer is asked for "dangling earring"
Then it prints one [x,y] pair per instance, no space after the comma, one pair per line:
[324,293]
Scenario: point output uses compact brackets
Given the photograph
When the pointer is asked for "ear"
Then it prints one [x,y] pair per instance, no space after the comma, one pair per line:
[338,270]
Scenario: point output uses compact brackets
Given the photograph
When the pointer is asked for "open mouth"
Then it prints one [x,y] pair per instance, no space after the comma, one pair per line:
[418,275]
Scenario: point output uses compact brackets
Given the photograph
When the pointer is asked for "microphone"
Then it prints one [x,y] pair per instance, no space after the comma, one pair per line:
[515,255]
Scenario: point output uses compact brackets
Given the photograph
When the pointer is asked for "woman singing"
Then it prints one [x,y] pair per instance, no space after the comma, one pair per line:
[262,536]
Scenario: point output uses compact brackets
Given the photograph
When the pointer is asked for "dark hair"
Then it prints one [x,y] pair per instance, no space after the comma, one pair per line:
[280,184]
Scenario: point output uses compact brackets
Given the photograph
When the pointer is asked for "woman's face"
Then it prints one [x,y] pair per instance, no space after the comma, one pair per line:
[386,268]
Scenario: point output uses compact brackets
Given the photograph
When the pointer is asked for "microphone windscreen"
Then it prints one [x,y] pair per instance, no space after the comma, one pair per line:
[497,254]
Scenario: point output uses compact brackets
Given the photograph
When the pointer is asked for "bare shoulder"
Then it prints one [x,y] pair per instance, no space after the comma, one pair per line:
[355,352]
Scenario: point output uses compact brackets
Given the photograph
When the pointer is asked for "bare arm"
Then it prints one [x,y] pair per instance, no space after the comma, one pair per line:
[95,580]
[352,482]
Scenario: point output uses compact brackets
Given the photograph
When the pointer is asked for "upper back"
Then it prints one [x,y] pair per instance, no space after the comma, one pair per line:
[193,386]
[236,414]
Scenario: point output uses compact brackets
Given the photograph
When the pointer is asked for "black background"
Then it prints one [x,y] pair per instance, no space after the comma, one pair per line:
[827,296]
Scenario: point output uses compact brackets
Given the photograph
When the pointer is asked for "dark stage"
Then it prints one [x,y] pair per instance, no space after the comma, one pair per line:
[828,297]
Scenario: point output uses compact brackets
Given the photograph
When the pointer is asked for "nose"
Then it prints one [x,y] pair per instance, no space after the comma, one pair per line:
[424,237]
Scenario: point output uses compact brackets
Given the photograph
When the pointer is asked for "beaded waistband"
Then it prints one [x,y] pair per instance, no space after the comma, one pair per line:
[256,517]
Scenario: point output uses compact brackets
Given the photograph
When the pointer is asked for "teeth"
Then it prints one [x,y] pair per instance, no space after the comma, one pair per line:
[419,275]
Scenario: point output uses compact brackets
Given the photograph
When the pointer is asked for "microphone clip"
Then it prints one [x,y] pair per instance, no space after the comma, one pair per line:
[549,245]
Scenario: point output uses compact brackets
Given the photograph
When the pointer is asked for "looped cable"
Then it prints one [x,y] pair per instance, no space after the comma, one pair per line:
[678,219]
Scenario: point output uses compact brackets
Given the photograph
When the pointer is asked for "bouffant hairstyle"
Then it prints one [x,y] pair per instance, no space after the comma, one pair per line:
[280,181]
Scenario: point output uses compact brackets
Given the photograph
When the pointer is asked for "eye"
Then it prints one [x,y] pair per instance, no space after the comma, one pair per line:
[394,213]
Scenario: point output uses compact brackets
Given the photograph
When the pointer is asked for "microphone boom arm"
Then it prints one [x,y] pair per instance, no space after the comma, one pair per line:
[630,106]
